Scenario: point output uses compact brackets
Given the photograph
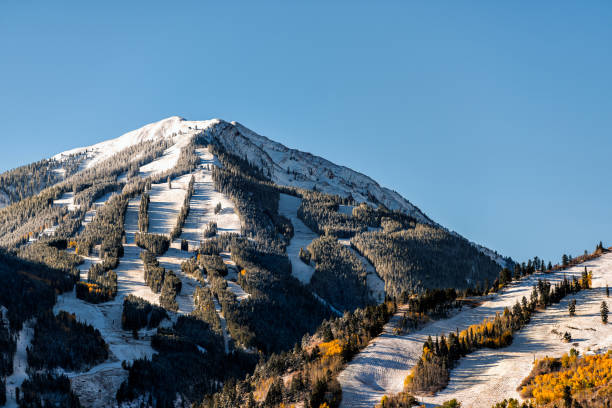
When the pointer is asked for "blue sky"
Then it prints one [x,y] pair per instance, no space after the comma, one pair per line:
[495,119]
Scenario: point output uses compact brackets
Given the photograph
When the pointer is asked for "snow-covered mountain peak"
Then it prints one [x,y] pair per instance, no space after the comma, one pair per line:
[285,166]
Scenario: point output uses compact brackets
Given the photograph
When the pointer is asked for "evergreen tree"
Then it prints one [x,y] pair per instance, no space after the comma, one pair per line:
[572,307]
[604,312]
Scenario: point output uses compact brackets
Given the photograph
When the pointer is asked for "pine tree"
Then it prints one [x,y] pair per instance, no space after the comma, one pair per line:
[564,260]
[604,312]
[572,307]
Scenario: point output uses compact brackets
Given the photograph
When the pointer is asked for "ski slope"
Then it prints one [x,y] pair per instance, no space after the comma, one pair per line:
[376,286]
[384,364]
[483,378]
[302,237]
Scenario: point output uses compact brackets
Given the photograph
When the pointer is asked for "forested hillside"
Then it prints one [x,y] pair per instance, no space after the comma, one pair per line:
[163,254]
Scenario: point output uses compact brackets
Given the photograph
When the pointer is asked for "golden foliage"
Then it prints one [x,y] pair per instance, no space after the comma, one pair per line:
[331,348]
[580,374]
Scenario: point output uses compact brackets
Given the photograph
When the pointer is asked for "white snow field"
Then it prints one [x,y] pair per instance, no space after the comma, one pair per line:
[383,365]
[66,200]
[488,376]
[166,204]
[20,363]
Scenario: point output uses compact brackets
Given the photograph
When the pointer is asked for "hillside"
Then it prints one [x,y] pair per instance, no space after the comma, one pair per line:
[201,251]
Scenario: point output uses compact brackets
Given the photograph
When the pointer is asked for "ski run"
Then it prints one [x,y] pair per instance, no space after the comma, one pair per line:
[486,376]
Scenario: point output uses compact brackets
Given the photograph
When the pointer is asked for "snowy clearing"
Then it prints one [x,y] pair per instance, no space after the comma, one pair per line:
[346,209]
[66,200]
[382,366]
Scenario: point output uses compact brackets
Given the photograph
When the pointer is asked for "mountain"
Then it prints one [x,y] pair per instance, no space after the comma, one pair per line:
[194,250]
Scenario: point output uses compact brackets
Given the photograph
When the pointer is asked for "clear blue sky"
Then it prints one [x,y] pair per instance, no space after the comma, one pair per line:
[495,119]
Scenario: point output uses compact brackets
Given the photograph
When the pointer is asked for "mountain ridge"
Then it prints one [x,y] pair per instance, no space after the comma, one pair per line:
[285,165]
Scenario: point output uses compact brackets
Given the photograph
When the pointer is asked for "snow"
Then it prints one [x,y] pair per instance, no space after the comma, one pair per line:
[165,204]
[173,127]
[172,260]
[104,380]
[226,336]
[4,199]
[302,237]
[130,273]
[488,376]
[286,166]
[384,364]
[205,200]
[295,168]
[376,285]
[20,362]
[166,161]
[237,290]
[97,204]
[346,209]
[66,200]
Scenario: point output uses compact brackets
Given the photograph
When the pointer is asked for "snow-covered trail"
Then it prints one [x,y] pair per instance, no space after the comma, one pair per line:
[228,220]
[302,237]
[488,376]
[20,363]
[376,286]
[166,203]
[384,364]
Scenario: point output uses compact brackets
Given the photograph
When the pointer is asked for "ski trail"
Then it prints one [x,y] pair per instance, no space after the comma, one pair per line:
[376,285]
[302,237]
[383,365]
[488,376]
